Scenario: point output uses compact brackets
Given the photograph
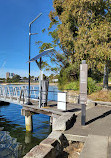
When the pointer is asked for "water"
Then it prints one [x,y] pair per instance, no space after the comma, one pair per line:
[15,142]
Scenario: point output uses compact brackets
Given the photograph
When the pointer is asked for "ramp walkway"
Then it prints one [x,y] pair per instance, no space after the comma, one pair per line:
[96,134]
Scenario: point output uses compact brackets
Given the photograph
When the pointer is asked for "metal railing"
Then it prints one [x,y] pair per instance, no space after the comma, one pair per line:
[20,93]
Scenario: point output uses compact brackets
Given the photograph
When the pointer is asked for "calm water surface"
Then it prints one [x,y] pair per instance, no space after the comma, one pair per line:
[15,142]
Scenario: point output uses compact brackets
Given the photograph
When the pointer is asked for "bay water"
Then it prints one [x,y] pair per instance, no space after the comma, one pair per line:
[15,142]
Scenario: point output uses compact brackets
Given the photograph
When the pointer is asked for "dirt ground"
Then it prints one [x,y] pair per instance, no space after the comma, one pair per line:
[72,151]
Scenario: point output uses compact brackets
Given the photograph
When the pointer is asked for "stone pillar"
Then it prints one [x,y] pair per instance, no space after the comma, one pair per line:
[28,123]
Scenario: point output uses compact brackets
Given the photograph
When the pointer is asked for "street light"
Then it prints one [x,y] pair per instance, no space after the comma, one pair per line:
[29,103]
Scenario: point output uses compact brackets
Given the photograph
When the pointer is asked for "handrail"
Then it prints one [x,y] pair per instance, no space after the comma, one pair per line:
[20,93]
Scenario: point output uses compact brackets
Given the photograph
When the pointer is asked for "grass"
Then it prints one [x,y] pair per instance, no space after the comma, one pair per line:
[101,96]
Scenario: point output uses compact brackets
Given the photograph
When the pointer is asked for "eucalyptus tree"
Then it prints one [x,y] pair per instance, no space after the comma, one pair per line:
[82,30]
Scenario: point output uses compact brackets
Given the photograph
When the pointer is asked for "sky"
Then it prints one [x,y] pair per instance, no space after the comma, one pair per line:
[15,16]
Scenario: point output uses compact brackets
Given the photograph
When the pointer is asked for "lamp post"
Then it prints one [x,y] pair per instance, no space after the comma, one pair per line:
[29,103]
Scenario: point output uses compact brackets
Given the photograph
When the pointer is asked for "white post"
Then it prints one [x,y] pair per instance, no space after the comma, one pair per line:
[28,123]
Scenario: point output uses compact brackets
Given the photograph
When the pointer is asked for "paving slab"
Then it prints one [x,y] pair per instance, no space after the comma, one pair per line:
[98,122]
[109,147]
[95,147]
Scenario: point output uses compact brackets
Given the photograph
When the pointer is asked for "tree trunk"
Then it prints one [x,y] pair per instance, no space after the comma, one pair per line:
[105,80]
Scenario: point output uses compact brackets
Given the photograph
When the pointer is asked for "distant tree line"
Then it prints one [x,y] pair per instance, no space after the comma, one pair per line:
[18,78]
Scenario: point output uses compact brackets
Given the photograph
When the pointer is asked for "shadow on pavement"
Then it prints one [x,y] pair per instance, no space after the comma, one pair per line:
[99,117]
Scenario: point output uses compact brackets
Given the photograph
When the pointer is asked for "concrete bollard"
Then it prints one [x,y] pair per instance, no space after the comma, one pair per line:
[28,123]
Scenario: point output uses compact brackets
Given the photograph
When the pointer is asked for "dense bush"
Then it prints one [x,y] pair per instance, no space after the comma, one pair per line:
[92,86]
[68,75]
[72,86]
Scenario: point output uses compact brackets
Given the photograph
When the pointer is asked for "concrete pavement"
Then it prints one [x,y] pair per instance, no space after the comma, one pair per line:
[96,133]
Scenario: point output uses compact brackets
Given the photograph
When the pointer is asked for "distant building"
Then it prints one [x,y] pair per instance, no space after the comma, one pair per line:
[35,79]
[9,75]
[12,75]
[54,80]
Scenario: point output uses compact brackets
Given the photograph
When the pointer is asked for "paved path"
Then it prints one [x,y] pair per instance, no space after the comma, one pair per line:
[98,122]
[97,131]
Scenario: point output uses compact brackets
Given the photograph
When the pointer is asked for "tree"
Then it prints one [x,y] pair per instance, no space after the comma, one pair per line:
[81,30]
[16,78]
[84,31]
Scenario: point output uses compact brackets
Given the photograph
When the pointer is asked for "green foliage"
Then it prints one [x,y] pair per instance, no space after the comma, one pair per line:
[43,30]
[82,30]
[9,80]
[92,86]
[72,86]
[2,80]
[15,78]
[68,74]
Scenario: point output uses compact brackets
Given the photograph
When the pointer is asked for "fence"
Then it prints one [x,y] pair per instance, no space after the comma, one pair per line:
[20,93]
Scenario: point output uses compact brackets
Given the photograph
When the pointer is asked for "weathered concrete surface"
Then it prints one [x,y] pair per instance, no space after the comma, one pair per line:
[56,135]
[53,143]
[72,97]
[90,103]
[78,138]
[51,147]
[59,136]
[41,151]
[109,147]
[49,142]
[63,122]
[95,147]
[98,122]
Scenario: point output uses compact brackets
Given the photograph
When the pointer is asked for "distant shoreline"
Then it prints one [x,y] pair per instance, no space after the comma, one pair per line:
[51,84]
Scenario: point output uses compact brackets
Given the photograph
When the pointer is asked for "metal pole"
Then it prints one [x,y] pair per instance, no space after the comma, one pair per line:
[29,103]
[40,84]
[83,114]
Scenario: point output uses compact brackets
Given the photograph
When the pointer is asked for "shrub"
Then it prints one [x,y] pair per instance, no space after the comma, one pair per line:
[92,86]
[72,85]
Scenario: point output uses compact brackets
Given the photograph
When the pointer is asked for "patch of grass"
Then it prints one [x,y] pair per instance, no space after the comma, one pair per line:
[101,96]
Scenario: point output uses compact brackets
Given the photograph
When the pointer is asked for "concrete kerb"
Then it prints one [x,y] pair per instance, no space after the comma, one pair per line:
[41,151]
[63,122]
[92,103]
[76,138]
